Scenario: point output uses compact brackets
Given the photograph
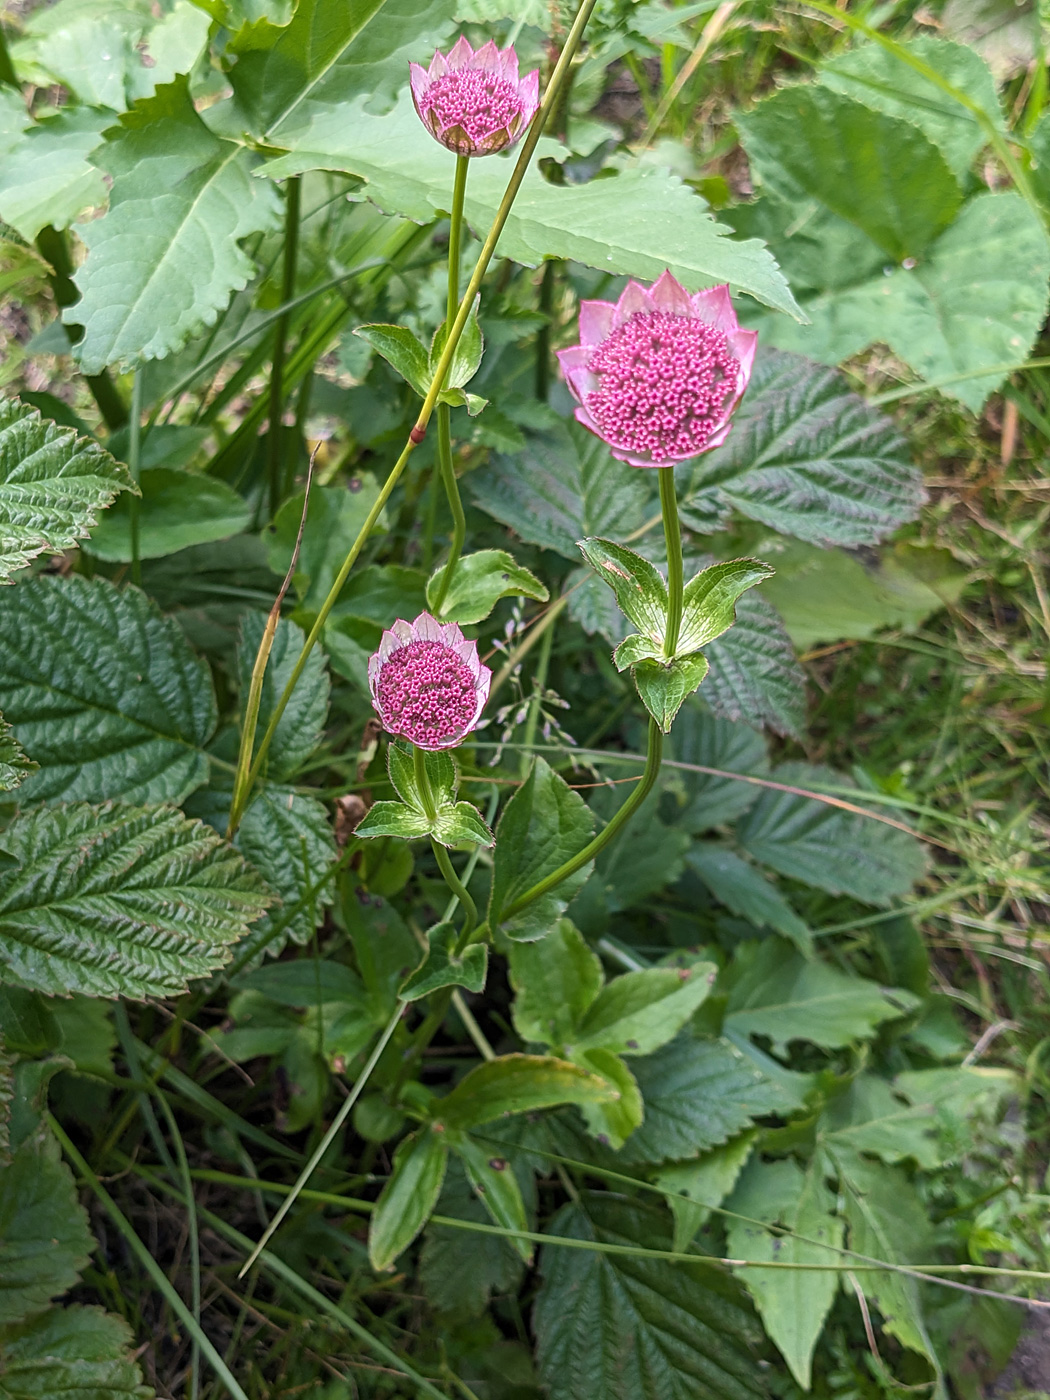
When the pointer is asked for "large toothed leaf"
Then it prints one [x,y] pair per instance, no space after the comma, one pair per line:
[639,221]
[103,692]
[71,1353]
[46,177]
[300,727]
[53,485]
[164,260]
[754,673]
[120,900]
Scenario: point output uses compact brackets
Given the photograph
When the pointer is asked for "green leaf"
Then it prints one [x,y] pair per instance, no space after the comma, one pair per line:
[178,509]
[808,458]
[77,1352]
[53,486]
[782,995]
[754,675]
[14,766]
[543,825]
[710,598]
[301,727]
[119,900]
[638,585]
[822,845]
[793,1303]
[479,581]
[460,823]
[638,1012]
[288,839]
[103,692]
[401,349]
[747,893]
[444,967]
[656,853]
[554,982]
[393,819]
[566,485]
[466,358]
[629,1328]
[163,262]
[441,773]
[611,1123]
[518,1084]
[698,1094]
[875,75]
[701,1185]
[45,1238]
[807,143]
[335,517]
[409,1196]
[868,1117]
[705,800]
[496,1185]
[454,823]
[639,221]
[46,177]
[665,688]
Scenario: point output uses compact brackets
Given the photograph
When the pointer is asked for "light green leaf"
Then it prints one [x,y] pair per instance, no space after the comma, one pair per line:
[542,826]
[103,692]
[77,1352]
[638,585]
[623,1327]
[665,688]
[393,819]
[466,358]
[495,1184]
[701,1185]
[460,823]
[53,486]
[444,967]
[747,893]
[333,521]
[441,773]
[754,675]
[89,49]
[639,221]
[636,1013]
[119,900]
[554,982]
[163,262]
[782,995]
[518,1084]
[401,349]
[178,509]
[809,458]
[807,143]
[411,1193]
[822,845]
[710,598]
[301,727]
[46,177]
[613,1122]
[793,1303]
[869,1117]
[479,581]
[700,801]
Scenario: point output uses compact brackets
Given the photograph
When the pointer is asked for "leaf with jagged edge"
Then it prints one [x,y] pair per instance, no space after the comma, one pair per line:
[120,900]
[46,177]
[639,221]
[697,801]
[164,260]
[78,1352]
[300,728]
[755,675]
[103,692]
[53,486]
[15,767]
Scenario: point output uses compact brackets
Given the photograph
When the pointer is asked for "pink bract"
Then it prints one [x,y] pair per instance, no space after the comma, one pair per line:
[428,683]
[658,375]
[474,103]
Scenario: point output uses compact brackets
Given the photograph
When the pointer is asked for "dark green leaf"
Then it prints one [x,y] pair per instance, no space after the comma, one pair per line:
[706,800]
[444,967]
[747,893]
[178,509]
[409,1197]
[518,1084]
[461,1269]
[301,726]
[754,675]
[642,858]
[466,358]
[479,581]
[76,1352]
[288,839]
[612,1122]
[45,1239]
[333,522]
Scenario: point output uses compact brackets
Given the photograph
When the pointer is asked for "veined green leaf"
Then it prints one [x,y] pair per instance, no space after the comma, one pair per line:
[747,893]
[300,728]
[754,674]
[287,837]
[46,177]
[701,1185]
[14,766]
[400,348]
[638,585]
[78,1352]
[710,598]
[700,801]
[518,1084]
[554,981]
[479,581]
[178,509]
[664,687]
[406,1201]
[444,967]
[636,1013]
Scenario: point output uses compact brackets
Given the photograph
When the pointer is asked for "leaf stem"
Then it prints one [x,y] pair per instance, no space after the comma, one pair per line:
[275,434]
[135,467]
[445,465]
[675,574]
[441,855]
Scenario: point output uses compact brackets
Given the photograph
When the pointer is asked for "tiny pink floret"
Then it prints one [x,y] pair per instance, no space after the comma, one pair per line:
[474,103]
[658,375]
[428,684]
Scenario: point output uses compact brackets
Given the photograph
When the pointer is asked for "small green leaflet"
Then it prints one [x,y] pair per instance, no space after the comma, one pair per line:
[479,581]
[452,823]
[409,1196]
[443,966]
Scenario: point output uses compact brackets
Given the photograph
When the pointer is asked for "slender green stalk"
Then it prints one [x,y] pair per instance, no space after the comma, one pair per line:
[148,1262]
[135,467]
[275,435]
[422,777]
[193,1232]
[445,464]
[675,575]
[441,855]
[543,335]
[528,737]
[418,431]
[455,237]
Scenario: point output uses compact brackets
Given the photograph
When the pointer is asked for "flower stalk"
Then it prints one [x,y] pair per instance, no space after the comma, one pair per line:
[445,465]
[675,570]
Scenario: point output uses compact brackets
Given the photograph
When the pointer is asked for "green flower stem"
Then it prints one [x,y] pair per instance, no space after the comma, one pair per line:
[550,99]
[441,855]
[444,417]
[675,574]
[528,738]
[275,434]
[455,237]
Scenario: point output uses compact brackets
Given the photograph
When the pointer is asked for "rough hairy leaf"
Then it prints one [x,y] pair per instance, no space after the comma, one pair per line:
[120,900]
[287,837]
[747,893]
[300,727]
[45,1238]
[700,801]
[75,1352]
[754,673]
[14,766]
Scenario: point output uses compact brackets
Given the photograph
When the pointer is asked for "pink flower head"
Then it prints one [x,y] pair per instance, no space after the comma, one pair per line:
[658,375]
[473,103]
[428,684]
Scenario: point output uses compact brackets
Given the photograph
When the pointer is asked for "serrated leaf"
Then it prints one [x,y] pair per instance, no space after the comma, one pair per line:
[554,983]
[466,358]
[444,967]
[754,674]
[822,845]
[701,1185]
[103,692]
[700,801]
[793,1303]
[178,509]
[46,177]
[393,819]
[869,1117]
[698,1094]
[807,143]
[710,598]
[644,857]
[53,486]
[301,727]
[287,837]
[636,1013]
[565,486]
[629,1328]
[518,1084]
[402,350]
[637,584]
[409,1196]
[747,893]
[809,458]
[14,766]
[781,994]
[460,823]
[639,221]
[479,581]
[163,262]
[120,900]
[77,1352]
[665,686]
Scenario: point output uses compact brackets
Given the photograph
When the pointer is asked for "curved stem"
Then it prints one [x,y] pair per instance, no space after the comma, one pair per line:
[422,777]
[459,889]
[675,575]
